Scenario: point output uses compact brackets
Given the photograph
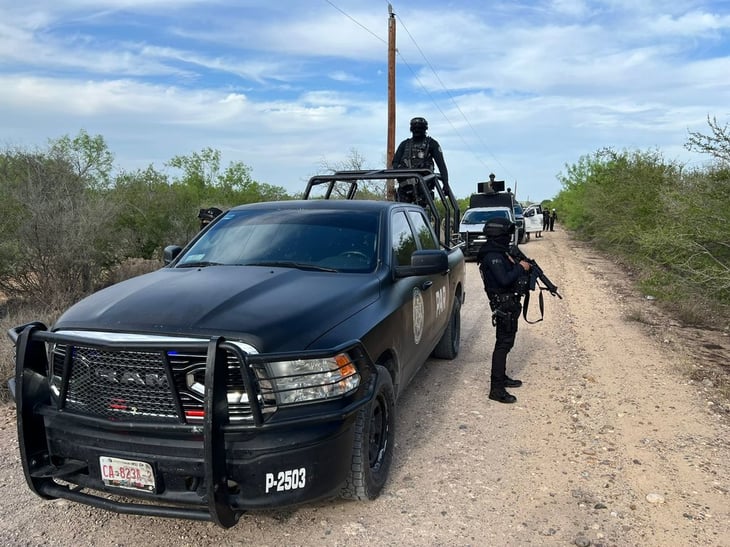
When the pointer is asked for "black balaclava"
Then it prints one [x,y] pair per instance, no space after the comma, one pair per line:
[500,242]
[419,126]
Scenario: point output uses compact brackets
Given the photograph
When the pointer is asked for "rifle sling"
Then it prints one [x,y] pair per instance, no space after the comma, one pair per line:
[527,303]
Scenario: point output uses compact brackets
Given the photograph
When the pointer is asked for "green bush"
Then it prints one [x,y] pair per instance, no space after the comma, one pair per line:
[672,224]
[67,222]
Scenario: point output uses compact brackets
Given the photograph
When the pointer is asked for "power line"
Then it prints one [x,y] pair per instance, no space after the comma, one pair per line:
[423,87]
[358,23]
[443,86]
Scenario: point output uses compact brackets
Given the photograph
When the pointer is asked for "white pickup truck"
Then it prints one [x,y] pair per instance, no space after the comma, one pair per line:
[484,206]
[471,228]
[533,220]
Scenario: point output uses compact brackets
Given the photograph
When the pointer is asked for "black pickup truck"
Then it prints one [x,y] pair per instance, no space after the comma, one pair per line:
[260,367]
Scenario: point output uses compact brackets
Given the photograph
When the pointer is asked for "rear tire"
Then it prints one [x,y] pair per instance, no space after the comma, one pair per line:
[448,346]
[372,448]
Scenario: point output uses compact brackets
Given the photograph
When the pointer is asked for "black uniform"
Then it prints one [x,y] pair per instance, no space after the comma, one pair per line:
[500,277]
[206,216]
[418,152]
[500,273]
[553,218]
[415,153]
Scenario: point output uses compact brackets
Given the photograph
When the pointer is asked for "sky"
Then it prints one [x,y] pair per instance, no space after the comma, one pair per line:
[290,87]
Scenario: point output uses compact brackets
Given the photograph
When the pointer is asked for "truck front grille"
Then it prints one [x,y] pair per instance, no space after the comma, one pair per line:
[117,384]
[149,386]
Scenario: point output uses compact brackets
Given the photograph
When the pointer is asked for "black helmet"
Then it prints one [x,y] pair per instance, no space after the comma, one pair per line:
[419,123]
[207,216]
[499,226]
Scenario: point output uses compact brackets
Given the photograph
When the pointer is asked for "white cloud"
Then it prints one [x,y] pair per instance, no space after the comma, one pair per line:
[689,24]
[518,88]
[574,8]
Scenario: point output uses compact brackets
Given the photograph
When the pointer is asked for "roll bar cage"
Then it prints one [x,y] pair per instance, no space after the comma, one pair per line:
[445,220]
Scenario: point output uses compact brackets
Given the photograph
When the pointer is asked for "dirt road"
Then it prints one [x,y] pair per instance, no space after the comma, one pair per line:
[610,442]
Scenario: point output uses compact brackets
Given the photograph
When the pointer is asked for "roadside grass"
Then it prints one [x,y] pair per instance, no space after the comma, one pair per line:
[638,317]
[687,304]
[691,308]
[718,379]
[14,312]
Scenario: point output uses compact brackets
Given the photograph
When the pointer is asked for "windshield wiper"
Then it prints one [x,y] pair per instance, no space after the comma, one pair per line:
[199,264]
[291,264]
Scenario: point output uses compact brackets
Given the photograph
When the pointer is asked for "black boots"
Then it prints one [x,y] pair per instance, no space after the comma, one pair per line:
[509,382]
[499,394]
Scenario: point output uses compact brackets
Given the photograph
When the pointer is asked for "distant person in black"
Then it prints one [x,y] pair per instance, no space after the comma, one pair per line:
[419,152]
[553,218]
[500,272]
[545,219]
[206,216]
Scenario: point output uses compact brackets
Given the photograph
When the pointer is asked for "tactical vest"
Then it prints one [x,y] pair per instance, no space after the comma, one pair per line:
[418,155]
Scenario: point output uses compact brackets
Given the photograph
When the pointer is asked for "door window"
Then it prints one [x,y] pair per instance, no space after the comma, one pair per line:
[403,240]
[424,233]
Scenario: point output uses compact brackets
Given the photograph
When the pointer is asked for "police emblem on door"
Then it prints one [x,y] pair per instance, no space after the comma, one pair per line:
[418,312]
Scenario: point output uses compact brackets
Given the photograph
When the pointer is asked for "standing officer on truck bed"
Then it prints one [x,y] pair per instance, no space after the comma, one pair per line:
[418,152]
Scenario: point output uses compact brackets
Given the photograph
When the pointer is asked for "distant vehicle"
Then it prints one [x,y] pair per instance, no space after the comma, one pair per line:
[520,222]
[488,202]
[533,217]
[472,224]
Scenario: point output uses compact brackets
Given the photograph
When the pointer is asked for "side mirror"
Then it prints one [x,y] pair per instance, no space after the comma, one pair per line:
[170,253]
[426,262]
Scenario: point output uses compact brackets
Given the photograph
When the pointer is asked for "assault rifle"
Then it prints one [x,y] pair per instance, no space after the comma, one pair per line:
[529,282]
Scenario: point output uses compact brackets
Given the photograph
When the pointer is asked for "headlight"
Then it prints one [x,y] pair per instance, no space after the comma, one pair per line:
[311,380]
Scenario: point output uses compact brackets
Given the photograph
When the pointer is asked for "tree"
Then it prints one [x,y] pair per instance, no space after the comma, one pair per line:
[57,239]
[88,157]
[151,213]
[235,186]
[669,222]
[200,169]
[202,176]
[354,162]
[717,144]
[66,222]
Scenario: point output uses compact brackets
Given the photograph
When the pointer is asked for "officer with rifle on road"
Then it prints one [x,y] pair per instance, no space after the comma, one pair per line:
[508,275]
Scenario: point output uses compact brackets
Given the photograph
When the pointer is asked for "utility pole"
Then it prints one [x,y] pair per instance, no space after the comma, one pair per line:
[390,185]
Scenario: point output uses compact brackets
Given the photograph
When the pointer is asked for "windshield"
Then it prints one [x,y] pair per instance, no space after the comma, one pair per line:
[481,217]
[518,210]
[326,240]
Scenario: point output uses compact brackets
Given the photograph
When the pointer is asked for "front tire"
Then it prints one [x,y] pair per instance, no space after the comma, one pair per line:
[448,346]
[372,449]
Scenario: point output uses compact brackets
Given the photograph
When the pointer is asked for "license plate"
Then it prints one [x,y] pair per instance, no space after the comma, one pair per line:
[127,474]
